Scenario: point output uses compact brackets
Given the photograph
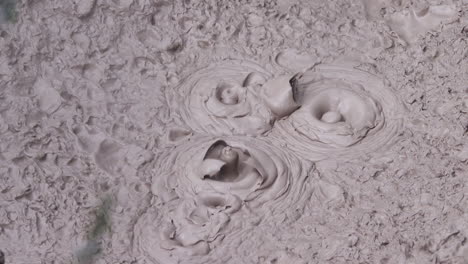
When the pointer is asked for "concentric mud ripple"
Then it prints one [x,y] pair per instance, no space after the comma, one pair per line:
[344,112]
[221,99]
[210,188]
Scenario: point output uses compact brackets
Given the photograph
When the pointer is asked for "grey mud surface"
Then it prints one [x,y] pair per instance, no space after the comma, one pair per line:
[148,131]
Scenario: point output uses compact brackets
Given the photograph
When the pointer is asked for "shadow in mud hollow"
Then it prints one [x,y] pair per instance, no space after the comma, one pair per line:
[88,253]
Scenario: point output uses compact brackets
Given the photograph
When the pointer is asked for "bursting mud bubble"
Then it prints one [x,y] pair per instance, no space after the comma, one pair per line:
[344,112]
[222,99]
[207,191]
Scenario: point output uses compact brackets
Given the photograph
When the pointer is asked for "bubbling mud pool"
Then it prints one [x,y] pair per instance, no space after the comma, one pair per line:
[344,112]
[234,132]
[208,189]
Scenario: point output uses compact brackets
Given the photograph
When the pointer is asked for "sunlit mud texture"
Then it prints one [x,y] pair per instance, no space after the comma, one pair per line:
[208,190]
[222,99]
[344,112]
[410,25]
